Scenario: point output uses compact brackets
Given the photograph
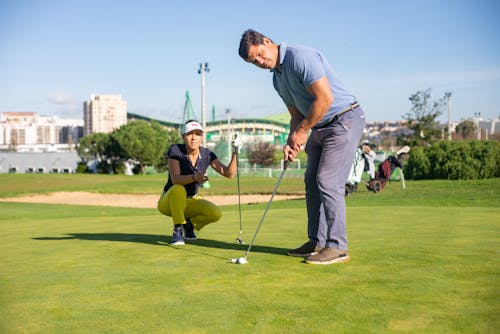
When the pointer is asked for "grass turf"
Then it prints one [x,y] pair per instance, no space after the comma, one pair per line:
[418,267]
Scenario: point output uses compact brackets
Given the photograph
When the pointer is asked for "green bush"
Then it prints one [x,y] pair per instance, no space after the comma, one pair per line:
[81,167]
[419,165]
[455,161]
[118,167]
[104,168]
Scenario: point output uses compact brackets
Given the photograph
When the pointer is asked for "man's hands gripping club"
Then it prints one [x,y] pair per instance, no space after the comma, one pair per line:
[294,145]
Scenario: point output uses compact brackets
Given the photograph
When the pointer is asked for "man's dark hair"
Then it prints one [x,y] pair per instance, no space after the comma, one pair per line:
[250,37]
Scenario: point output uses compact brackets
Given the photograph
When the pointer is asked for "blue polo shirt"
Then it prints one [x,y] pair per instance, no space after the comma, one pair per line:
[300,67]
[178,152]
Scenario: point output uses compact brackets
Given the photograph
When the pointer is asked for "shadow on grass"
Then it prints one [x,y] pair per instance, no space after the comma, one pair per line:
[162,240]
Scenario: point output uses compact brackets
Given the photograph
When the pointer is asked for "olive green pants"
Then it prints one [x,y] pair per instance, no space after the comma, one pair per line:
[175,203]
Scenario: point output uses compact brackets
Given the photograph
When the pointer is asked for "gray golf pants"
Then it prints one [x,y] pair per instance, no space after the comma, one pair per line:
[330,153]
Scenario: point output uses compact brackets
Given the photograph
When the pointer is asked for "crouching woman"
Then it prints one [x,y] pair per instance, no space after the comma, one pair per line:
[187,167]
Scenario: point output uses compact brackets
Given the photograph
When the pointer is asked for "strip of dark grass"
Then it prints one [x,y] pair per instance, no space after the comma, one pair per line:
[29,211]
[20,184]
[471,193]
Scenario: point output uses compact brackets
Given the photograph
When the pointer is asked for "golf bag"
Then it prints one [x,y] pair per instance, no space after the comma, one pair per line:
[364,159]
[384,172]
[378,179]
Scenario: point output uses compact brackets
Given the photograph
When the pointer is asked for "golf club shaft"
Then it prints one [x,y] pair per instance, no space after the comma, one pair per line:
[285,165]
[239,193]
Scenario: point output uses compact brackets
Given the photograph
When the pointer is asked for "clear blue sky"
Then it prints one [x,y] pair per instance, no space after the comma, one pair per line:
[55,54]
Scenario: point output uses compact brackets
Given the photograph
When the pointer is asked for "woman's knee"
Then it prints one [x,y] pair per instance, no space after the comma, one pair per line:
[216,214]
[162,205]
[212,215]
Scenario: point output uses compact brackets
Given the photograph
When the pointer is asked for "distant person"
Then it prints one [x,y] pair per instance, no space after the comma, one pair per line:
[320,104]
[187,167]
[369,155]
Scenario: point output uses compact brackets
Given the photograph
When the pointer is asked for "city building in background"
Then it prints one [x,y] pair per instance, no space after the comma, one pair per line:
[488,128]
[104,113]
[30,132]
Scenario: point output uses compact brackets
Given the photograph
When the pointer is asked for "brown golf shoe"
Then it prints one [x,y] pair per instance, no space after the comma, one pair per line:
[329,255]
[305,250]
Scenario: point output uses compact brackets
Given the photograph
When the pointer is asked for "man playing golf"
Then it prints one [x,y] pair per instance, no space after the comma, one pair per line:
[187,166]
[320,104]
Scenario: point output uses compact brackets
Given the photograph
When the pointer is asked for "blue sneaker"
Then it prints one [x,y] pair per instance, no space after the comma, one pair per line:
[177,237]
[189,230]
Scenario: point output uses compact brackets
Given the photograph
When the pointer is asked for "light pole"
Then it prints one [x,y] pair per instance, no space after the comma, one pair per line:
[203,68]
[228,113]
[448,96]
[477,117]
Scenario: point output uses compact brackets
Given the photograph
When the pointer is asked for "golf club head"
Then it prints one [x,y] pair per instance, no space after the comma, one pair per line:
[241,260]
[240,241]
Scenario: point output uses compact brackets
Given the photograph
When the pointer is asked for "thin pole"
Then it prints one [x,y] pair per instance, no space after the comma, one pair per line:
[228,113]
[202,70]
[448,95]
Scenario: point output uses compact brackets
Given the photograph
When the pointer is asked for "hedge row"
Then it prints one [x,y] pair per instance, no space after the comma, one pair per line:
[454,161]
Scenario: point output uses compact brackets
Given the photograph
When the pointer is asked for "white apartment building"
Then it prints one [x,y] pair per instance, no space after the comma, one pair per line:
[104,113]
[30,132]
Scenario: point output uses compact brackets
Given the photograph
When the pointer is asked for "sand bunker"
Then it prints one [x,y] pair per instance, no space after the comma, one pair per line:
[133,201]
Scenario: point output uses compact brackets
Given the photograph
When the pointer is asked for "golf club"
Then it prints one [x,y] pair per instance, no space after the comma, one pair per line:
[402,178]
[238,239]
[243,259]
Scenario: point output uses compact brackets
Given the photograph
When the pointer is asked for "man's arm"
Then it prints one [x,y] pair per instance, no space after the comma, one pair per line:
[323,99]
[295,120]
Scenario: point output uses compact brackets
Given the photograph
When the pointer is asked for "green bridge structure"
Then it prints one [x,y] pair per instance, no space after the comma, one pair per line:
[221,129]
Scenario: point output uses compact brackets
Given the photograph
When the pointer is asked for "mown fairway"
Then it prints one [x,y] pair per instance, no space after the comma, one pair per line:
[424,260]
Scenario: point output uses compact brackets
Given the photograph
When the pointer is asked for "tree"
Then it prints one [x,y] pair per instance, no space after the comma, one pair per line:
[260,153]
[93,146]
[422,118]
[466,130]
[101,147]
[144,141]
[172,138]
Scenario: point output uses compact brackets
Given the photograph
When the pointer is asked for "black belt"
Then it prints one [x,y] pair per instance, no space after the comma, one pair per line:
[336,117]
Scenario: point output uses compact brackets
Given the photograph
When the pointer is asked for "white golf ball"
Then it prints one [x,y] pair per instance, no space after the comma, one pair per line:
[241,260]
